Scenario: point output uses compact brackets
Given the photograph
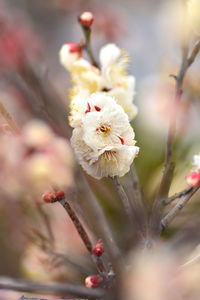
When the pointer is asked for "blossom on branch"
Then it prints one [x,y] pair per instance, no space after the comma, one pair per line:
[111,78]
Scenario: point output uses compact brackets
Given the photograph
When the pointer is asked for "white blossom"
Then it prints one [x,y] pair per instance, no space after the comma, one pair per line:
[109,161]
[111,78]
[108,126]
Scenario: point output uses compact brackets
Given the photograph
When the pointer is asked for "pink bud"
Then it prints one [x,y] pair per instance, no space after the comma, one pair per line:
[86,19]
[93,281]
[193,179]
[49,197]
[99,249]
[60,194]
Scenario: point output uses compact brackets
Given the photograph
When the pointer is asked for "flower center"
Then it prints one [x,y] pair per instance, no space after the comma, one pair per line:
[104,128]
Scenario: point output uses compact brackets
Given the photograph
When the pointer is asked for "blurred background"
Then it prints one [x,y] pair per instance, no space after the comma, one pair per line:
[33,85]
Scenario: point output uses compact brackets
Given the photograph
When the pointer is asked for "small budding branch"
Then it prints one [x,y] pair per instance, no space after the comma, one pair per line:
[96,252]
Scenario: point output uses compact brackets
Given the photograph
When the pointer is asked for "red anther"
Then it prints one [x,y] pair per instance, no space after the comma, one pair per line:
[97,108]
[122,140]
[88,108]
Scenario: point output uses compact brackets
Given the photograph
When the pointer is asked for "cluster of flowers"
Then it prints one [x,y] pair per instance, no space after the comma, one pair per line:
[101,102]
[37,160]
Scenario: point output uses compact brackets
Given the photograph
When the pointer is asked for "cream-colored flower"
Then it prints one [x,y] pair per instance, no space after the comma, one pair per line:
[124,93]
[69,54]
[86,76]
[36,159]
[108,126]
[82,104]
[114,63]
[109,161]
[112,78]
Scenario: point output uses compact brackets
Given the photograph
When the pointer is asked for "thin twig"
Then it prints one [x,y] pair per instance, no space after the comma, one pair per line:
[30,298]
[47,222]
[87,34]
[137,196]
[13,126]
[177,208]
[169,165]
[137,199]
[79,227]
[178,195]
[124,199]
[60,259]
[53,288]
[100,221]
[194,53]
[84,236]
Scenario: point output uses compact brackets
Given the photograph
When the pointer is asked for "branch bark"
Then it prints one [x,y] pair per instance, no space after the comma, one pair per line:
[84,236]
[178,195]
[124,199]
[177,208]
[169,166]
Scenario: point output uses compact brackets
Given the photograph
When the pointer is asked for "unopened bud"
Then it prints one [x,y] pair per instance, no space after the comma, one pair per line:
[93,281]
[86,19]
[193,179]
[99,249]
[60,195]
[49,197]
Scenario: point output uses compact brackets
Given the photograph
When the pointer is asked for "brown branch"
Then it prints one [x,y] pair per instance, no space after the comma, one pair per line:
[81,231]
[100,221]
[158,206]
[124,199]
[194,53]
[178,195]
[84,236]
[177,208]
[137,199]
[52,288]
[30,298]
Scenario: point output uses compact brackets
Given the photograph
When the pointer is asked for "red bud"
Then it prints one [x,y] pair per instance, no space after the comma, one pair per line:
[49,197]
[86,19]
[193,179]
[93,281]
[60,194]
[99,249]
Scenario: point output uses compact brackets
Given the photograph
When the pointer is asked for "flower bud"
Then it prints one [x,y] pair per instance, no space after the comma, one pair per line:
[60,195]
[86,19]
[48,197]
[98,250]
[193,179]
[93,281]
[69,54]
